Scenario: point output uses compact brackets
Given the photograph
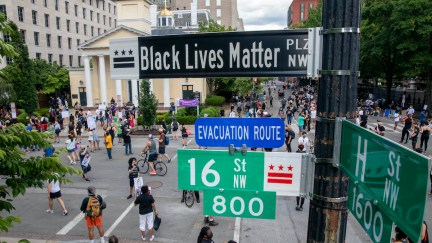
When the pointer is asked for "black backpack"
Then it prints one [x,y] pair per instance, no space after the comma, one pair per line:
[175,125]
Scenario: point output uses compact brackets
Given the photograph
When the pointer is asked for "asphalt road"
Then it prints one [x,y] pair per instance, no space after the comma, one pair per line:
[179,223]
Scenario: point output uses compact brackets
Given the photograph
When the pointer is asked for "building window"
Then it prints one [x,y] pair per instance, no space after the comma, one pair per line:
[70,43]
[218,13]
[78,42]
[109,21]
[85,29]
[115,22]
[68,25]
[76,10]
[23,35]
[301,12]
[79,61]
[33,1]
[70,60]
[98,17]
[56,5]
[77,27]
[20,14]
[48,39]
[61,60]
[45,3]
[98,31]
[34,17]
[180,15]
[104,20]
[36,38]
[97,4]
[91,15]
[3,10]
[46,16]
[109,7]
[59,41]
[219,22]
[91,2]
[67,7]
[50,58]
[38,56]
[92,31]
[6,38]
[103,6]
[207,3]
[84,13]
[218,2]
[115,10]
[58,22]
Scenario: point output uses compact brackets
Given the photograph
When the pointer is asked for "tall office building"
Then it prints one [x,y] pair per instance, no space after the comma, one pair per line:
[53,29]
[225,12]
[299,11]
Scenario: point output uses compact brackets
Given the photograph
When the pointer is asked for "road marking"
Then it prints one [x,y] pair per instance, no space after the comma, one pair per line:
[71,224]
[189,141]
[119,219]
[237,228]
[174,157]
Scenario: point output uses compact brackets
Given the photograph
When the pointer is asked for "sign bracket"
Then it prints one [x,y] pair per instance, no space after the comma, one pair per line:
[337,141]
[328,199]
[233,149]
[307,175]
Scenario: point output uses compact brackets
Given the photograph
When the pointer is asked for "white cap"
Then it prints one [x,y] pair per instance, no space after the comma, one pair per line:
[150,136]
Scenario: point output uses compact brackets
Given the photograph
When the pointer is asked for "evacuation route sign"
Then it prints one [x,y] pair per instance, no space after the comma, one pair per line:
[254,132]
[279,172]
[244,204]
[388,183]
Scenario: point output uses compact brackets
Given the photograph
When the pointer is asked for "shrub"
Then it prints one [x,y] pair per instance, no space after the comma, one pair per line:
[187,120]
[214,100]
[211,112]
[140,120]
[159,118]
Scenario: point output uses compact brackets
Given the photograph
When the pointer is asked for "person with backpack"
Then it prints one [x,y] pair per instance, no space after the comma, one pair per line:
[163,142]
[175,127]
[92,207]
[57,130]
[133,173]
[147,211]
[289,137]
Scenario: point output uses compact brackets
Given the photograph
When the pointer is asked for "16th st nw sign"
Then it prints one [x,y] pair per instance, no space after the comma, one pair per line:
[228,54]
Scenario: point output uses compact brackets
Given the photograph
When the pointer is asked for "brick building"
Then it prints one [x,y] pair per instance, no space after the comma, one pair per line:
[299,10]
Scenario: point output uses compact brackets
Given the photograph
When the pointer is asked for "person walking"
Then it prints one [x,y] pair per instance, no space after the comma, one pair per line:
[300,123]
[153,155]
[133,173]
[185,135]
[127,139]
[90,140]
[92,206]
[303,140]
[147,211]
[407,126]
[289,136]
[108,144]
[396,120]
[162,146]
[119,131]
[55,193]
[57,130]
[70,146]
[414,135]
[289,115]
[425,133]
[205,235]
[85,161]
[175,128]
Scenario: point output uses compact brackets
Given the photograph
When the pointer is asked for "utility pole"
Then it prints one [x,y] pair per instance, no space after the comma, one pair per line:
[337,94]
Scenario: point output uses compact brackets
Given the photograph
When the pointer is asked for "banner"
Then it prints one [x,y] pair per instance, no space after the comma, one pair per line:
[188,103]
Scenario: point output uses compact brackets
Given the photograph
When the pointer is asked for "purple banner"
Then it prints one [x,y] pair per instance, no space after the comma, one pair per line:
[188,103]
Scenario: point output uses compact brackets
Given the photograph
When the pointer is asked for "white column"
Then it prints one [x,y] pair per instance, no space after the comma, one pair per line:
[89,90]
[151,86]
[119,92]
[134,92]
[166,92]
[102,76]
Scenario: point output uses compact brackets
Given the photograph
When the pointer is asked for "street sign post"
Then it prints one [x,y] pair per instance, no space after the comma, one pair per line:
[244,204]
[255,171]
[388,183]
[253,132]
[225,54]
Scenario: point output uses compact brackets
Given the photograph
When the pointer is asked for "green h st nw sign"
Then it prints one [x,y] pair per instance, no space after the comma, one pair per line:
[388,183]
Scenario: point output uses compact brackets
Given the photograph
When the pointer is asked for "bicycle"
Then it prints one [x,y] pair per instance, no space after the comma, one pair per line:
[143,165]
[189,198]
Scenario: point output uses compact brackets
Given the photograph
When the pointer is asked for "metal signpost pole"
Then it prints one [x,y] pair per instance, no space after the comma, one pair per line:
[336,98]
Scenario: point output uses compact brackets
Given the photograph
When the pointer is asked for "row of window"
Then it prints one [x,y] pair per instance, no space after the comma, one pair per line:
[47,19]
[302,10]
[36,37]
[98,5]
[207,3]
[50,59]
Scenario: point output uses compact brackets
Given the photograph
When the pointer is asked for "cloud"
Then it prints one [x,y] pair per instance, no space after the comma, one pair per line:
[263,14]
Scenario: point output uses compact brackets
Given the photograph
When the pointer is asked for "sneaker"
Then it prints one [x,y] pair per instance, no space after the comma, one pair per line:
[143,238]
[213,223]
[206,220]
[65,213]
[87,179]
[151,238]
[152,173]
[129,197]
[198,201]
[50,211]
[182,201]
[301,208]
[298,208]
[71,162]
[169,161]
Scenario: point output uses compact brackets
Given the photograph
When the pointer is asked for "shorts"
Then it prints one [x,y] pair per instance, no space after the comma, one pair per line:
[71,150]
[152,157]
[175,129]
[162,150]
[101,119]
[146,219]
[119,135]
[54,195]
[131,182]
[184,135]
[300,128]
[92,222]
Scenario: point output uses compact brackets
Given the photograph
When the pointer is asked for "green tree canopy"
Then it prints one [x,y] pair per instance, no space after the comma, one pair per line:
[213,26]
[50,77]
[21,171]
[6,49]
[147,104]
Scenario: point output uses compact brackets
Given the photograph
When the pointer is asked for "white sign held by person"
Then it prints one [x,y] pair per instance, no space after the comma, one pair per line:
[91,123]
[138,182]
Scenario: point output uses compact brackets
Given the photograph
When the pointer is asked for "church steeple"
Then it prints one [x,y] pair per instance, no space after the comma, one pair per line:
[165,18]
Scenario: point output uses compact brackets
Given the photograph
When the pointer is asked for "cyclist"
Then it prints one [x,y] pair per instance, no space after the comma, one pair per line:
[151,147]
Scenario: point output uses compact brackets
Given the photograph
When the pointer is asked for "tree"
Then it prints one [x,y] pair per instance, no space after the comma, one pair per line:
[147,104]
[22,172]
[314,18]
[6,49]
[20,73]
[213,26]
[50,77]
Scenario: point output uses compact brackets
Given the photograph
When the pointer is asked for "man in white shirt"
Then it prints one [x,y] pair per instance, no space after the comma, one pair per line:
[410,111]
[232,114]
[303,140]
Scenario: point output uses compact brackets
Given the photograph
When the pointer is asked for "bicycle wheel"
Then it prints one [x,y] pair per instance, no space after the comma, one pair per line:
[161,168]
[142,166]
[189,198]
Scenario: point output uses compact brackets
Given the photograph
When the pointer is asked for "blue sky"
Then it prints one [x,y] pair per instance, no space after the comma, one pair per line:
[263,14]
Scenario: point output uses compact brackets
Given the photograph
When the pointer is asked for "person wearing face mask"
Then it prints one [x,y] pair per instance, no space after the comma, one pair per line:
[303,140]
[205,235]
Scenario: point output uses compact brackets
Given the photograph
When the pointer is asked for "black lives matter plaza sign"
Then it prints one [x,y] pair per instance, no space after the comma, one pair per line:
[225,54]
